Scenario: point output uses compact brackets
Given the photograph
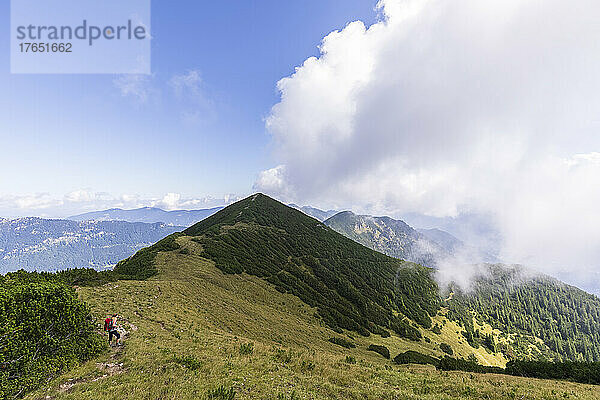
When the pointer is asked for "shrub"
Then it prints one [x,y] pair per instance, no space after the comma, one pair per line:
[406,330]
[446,348]
[380,349]
[188,361]
[221,393]
[414,357]
[350,360]
[246,348]
[453,364]
[342,342]
[45,330]
[283,356]
[577,371]
[307,366]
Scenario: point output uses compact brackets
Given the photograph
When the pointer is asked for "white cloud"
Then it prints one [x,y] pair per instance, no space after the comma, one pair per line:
[175,201]
[196,105]
[273,181]
[137,86]
[442,108]
[188,82]
[85,200]
[37,201]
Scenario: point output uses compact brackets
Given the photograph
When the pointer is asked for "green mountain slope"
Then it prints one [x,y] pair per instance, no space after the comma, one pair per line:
[193,332]
[544,318]
[536,317]
[351,286]
[388,236]
[262,302]
[357,289]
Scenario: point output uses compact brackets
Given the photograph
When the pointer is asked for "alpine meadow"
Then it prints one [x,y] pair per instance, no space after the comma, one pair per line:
[263,301]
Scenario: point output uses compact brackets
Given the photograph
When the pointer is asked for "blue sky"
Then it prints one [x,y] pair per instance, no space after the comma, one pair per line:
[195,127]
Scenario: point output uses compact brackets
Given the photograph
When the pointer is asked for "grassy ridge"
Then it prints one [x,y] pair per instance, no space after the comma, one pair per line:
[351,286]
[195,333]
[261,301]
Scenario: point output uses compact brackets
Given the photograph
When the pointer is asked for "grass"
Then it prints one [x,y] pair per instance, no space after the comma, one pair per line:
[196,333]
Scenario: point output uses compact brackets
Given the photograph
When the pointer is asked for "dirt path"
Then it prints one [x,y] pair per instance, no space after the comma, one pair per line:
[113,366]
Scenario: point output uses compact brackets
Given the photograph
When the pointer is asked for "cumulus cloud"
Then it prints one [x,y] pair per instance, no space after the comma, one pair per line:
[443,108]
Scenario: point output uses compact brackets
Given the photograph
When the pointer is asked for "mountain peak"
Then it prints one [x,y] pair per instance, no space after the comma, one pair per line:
[392,237]
[257,208]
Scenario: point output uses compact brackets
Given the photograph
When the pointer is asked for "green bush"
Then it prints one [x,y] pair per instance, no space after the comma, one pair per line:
[342,342]
[221,393]
[380,349]
[283,356]
[414,357]
[456,364]
[45,330]
[577,371]
[350,360]
[446,348]
[246,348]
[188,361]
[307,366]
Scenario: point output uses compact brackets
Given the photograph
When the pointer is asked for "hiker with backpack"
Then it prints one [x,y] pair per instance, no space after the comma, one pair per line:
[110,326]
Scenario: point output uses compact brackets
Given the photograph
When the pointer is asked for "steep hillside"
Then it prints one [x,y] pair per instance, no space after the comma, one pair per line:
[193,332]
[261,301]
[389,236]
[535,317]
[149,215]
[357,289]
[542,317]
[352,287]
[51,245]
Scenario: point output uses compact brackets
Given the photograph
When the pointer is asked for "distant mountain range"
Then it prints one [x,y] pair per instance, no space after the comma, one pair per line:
[315,212]
[389,236]
[398,239]
[148,215]
[50,245]
[477,231]
[101,238]
[176,217]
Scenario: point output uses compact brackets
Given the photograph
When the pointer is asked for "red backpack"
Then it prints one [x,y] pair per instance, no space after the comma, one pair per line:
[107,324]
